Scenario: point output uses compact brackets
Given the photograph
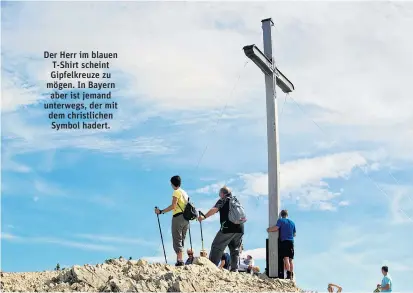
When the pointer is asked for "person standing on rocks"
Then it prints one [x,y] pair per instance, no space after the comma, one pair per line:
[179,223]
[230,234]
[287,234]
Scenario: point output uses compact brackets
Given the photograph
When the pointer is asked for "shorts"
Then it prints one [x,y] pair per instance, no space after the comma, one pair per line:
[287,249]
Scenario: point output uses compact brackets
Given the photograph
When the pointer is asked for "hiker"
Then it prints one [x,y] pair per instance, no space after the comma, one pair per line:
[386,283]
[331,289]
[190,259]
[179,223]
[230,234]
[225,261]
[287,234]
[245,264]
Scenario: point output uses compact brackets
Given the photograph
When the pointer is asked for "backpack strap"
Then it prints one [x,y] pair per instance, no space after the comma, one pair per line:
[178,203]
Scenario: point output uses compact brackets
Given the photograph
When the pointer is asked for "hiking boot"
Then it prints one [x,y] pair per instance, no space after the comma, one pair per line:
[234,271]
[179,264]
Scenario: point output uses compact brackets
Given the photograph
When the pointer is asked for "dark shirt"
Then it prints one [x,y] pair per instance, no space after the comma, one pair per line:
[227,260]
[189,261]
[226,225]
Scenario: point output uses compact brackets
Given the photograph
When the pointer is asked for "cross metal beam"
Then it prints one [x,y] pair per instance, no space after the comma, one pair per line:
[273,77]
[259,58]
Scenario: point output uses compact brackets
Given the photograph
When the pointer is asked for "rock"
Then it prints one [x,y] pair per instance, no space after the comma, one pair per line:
[182,286]
[203,261]
[117,285]
[142,262]
[94,277]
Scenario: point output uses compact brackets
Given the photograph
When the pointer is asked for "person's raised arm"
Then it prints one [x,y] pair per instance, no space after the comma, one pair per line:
[171,207]
[220,203]
[211,212]
[276,227]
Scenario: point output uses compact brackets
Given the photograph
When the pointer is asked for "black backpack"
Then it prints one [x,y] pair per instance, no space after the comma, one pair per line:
[189,212]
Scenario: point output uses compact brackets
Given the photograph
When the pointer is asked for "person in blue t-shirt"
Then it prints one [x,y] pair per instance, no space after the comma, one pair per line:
[386,284]
[287,234]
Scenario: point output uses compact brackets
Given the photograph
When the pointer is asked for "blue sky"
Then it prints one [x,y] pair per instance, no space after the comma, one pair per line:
[78,197]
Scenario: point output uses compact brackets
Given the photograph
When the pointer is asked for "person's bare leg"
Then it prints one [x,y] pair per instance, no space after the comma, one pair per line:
[286,264]
[291,268]
[179,256]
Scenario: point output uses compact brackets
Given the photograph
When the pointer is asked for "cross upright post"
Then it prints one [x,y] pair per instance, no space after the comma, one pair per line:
[265,61]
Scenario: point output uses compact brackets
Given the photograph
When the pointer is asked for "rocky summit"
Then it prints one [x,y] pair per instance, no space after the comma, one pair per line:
[120,275]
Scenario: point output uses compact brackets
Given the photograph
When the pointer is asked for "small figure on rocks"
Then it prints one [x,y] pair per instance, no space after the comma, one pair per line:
[386,283]
[190,259]
[225,261]
[230,234]
[245,263]
[179,223]
[287,234]
[331,287]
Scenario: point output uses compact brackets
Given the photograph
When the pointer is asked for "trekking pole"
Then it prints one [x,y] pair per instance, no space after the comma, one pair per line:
[190,239]
[160,231]
[200,224]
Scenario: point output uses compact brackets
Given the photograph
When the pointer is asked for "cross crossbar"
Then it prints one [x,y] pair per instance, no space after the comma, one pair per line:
[263,63]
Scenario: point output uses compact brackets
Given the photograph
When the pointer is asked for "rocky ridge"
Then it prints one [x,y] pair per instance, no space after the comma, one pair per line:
[120,275]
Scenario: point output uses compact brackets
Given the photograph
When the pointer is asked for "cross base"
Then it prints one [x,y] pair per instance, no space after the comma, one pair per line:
[280,261]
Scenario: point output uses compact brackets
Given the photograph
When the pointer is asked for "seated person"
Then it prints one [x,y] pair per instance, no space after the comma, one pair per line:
[331,286]
[225,261]
[190,259]
[246,264]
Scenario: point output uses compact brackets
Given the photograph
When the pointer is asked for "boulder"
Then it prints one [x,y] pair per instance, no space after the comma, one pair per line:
[142,262]
[203,261]
[93,276]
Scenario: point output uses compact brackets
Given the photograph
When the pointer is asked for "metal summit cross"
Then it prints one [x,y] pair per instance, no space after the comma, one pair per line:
[265,61]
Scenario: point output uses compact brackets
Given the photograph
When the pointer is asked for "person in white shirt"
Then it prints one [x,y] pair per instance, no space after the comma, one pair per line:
[245,263]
